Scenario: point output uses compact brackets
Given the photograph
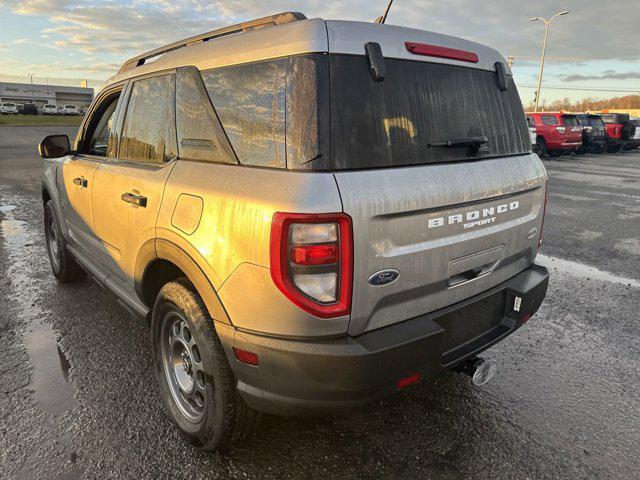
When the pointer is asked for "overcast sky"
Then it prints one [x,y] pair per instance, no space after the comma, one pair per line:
[596,47]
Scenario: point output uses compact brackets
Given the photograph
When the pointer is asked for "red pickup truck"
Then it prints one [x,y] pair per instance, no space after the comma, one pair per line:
[557,132]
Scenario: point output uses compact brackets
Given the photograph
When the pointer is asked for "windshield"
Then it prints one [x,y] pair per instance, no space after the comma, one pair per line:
[408,118]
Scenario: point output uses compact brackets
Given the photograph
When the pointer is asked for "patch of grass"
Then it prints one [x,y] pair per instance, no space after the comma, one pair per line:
[39,120]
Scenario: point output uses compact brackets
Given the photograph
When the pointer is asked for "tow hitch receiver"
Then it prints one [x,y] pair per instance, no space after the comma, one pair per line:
[479,369]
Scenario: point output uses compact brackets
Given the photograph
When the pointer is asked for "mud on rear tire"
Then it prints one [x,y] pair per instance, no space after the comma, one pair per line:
[223,417]
[63,265]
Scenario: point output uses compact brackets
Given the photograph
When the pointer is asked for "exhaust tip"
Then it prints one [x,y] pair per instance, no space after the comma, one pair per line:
[484,371]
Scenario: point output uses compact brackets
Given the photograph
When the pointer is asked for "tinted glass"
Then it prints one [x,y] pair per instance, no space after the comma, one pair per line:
[549,119]
[149,133]
[596,121]
[307,103]
[200,136]
[406,119]
[570,121]
[102,140]
[250,101]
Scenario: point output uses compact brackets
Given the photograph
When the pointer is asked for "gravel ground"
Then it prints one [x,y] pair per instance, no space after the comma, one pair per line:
[78,398]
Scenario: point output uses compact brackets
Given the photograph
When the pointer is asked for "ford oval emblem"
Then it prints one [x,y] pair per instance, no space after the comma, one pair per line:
[384,277]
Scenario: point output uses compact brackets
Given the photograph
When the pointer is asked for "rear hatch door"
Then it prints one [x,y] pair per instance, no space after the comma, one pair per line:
[434,167]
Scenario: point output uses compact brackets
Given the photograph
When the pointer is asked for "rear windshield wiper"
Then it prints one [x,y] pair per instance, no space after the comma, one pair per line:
[462,142]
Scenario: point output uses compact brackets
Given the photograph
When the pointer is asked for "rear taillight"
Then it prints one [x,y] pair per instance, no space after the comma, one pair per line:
[544,213]
[560,129]
[312,261]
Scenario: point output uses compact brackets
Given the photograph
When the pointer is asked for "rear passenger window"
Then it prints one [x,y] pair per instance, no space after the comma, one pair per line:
[250,101]
[149,132]
[549,120]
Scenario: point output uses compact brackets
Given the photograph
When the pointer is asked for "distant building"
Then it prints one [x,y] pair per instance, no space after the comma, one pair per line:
[44,94]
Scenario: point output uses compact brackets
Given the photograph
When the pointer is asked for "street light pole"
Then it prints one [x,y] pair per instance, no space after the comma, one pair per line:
[544,49]
[31,75]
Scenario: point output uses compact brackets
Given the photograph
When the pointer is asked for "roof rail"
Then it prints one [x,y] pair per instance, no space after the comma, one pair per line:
[277,19]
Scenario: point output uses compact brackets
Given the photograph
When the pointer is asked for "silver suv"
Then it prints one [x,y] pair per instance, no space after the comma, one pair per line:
[311,214]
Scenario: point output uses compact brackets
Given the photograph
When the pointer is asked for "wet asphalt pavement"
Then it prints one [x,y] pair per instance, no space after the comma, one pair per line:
[78,398]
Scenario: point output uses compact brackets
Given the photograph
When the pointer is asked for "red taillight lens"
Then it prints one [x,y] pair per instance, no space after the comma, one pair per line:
[408,380]
[315,254]
[441,52]
[312,261]
[245,356]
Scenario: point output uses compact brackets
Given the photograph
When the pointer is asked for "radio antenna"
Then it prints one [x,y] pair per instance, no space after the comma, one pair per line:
[383,18]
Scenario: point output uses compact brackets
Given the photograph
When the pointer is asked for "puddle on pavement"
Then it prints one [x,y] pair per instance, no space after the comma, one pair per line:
[7,208]
[50,367]
[49,378]
[584,271]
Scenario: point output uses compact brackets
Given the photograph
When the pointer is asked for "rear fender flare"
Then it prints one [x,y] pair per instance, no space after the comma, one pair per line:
[166,250]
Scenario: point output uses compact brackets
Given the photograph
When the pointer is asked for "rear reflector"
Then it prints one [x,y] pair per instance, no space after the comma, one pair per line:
[245,356]
[441,52]
[406,381]
[315,254]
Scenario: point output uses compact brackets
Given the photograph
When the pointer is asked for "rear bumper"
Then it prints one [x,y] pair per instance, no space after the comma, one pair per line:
[301,377]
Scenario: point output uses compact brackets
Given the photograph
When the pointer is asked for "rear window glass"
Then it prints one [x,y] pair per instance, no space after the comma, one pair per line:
[549,119]
[418,107]
[595,121]
[570,121]
[615,118]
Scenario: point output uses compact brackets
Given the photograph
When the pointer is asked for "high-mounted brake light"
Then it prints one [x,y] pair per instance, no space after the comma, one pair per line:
[441,52]
[312,261]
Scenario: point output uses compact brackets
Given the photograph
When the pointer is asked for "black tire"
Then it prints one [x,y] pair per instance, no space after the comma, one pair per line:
[219,416]
[614,148]
[555,153]
[541,147]
[628,130]
[580,151]
[63,265]
[597,149]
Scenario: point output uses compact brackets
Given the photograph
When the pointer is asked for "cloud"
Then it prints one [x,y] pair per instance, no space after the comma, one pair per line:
[113,30]
[606,75]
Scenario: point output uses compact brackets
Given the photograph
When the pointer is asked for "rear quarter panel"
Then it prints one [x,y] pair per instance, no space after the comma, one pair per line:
[228,236]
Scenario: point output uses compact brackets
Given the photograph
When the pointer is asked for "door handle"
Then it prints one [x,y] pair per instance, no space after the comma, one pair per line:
[82,182]
[133,199]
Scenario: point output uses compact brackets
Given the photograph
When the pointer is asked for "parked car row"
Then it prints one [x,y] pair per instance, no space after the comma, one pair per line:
[561,133]
[10,108]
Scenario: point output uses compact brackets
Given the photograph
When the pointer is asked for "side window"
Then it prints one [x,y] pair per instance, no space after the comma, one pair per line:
[200,135]
[102,140]
[549,120]
[148,134]
[250,101]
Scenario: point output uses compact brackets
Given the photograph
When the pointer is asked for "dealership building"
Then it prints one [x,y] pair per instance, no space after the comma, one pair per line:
[45,94]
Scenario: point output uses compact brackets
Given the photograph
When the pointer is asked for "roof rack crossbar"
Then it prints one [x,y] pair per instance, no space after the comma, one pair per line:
[277,19]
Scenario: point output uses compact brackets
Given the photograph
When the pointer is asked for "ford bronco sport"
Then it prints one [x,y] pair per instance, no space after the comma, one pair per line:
[311,214]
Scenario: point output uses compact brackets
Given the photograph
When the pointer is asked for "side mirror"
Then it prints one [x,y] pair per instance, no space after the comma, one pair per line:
[54,146]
